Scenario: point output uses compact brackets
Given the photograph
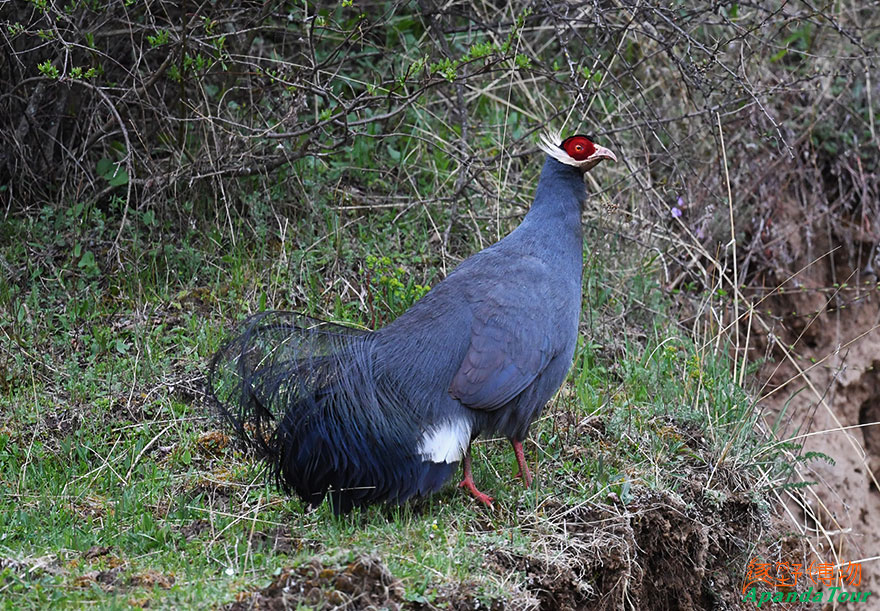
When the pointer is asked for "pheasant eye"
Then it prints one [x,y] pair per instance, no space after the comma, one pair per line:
[579,147]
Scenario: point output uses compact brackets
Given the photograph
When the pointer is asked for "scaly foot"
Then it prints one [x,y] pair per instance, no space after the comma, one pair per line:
[521,461]
[468,483]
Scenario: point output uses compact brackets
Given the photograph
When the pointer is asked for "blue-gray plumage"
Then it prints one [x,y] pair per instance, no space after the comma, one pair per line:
[384,416]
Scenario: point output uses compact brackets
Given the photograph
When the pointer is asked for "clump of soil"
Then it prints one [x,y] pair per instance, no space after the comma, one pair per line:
[365,583]
[685,550]
[661,551]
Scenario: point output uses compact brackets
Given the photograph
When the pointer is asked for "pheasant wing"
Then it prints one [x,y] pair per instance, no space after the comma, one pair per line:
[510,345]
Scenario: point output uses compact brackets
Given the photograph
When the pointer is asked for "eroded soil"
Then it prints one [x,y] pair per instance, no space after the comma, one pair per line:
[662,551]
[821,338]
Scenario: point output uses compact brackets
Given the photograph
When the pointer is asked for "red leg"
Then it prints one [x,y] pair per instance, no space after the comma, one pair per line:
[468,483]
[521,461]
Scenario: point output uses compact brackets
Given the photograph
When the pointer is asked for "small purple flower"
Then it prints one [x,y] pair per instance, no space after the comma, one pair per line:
[676,210]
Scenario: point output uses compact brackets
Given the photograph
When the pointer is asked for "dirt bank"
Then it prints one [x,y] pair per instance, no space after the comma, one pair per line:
[822,337]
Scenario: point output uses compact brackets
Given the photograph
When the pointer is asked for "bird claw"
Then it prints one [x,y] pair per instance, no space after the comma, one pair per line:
[485,499]
[468,483]
[527,480]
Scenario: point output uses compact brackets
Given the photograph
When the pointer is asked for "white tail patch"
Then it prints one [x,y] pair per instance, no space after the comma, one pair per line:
[447,442]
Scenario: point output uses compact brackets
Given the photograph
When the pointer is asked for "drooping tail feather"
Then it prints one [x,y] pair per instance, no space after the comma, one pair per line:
[314,400]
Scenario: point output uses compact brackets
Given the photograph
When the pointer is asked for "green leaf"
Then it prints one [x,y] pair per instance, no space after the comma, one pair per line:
[105,168]
[111,172]
[87,260]
[119,178]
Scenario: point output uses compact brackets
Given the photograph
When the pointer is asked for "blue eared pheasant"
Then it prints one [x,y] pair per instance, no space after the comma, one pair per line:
[371,417]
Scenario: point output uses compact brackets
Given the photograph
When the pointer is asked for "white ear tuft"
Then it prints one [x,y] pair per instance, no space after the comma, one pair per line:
[549,142]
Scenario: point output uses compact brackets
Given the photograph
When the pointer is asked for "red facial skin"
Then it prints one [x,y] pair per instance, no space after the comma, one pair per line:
[584,153]
[579,147]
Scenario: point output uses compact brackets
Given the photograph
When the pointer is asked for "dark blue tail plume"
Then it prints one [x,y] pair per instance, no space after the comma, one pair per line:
[312,398]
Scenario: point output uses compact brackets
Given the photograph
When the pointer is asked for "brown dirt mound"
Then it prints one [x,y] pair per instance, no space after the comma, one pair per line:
[685,551]
[660,552]
[364,584]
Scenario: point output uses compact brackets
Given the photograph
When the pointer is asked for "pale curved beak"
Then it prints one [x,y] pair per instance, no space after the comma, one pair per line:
[602,153]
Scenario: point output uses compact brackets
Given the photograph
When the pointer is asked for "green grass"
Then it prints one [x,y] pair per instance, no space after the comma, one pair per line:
[120,487]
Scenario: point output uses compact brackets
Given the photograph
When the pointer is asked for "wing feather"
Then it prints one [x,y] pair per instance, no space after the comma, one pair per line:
[505,355]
